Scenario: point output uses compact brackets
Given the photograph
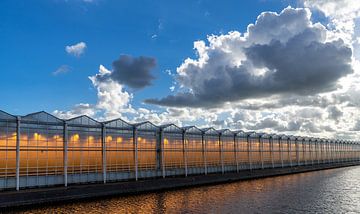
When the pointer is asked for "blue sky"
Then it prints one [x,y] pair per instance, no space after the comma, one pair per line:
[33,36]
[285,66]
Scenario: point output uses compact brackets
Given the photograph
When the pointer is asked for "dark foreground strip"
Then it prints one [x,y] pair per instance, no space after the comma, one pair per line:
[30,197]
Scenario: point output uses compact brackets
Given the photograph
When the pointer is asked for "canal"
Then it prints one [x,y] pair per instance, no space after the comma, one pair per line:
[325,191]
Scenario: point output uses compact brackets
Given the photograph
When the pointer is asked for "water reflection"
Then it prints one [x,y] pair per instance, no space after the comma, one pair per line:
[328,191]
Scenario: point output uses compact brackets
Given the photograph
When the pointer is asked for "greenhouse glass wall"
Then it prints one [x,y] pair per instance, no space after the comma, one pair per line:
[8,141]
[195,150]
[84,150]
[266,151]
[173,152]
[213,155]
[242,150]
[40,149]
[255,151]
[147,155]
[120,150]
[229,157]
[276,148]
[285,150]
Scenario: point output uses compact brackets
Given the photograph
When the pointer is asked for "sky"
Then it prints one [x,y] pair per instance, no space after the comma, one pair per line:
[275,66]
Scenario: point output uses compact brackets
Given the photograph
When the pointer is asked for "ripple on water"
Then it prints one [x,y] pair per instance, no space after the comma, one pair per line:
[327,191]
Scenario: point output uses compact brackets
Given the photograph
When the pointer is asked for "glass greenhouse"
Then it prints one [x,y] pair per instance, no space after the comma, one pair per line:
[40,149]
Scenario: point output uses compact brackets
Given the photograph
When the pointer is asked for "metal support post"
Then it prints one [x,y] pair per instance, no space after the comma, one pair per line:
[103,143]
[185,152]
[65,141]
[135,142]
[18,123]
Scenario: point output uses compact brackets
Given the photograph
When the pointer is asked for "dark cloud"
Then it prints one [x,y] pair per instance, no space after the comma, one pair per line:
[134,72]
[334,113]
[293,68]
[356,126]
[296,61]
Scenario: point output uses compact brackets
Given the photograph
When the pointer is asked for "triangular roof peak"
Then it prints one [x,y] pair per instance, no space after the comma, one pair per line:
[171,125]
[192,129]
[146,125]
[42,116]
[118,123]
[210,130]
[83,120]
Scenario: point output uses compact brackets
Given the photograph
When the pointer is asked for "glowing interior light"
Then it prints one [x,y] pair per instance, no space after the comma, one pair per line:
[91,139]
[166,141]
[108,138]
[119,140]
[139,139]
[75,137]
[36,136]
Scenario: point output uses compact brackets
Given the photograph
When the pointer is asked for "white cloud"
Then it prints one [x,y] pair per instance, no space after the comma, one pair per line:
[62,70]
[280,54]
[79,109]
[77,49]
[112,98]
[332,113]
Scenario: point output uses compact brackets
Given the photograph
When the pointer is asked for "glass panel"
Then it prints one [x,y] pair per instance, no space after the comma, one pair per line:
[119,150]
[255,155]
[242,152]
[213,155]
[7,149]
[266,151]
[84,150]
[228,150]
[194,151]
[41,150]
[173,151]
[146,150]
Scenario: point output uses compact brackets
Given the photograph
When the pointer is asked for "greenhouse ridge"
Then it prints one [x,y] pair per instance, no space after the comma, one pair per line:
[39,150]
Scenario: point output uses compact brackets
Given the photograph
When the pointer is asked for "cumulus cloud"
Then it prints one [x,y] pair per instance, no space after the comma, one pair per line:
[280,54]
[134,72]
[112,100]
[343,14]
[77,49]
[79,109]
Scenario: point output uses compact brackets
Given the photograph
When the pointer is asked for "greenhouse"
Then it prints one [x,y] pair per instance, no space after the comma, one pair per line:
[40,149]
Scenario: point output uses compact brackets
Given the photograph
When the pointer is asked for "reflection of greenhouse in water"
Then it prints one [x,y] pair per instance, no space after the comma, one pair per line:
[41,150]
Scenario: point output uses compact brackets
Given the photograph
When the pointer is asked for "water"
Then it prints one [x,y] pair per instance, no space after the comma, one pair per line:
[327,191]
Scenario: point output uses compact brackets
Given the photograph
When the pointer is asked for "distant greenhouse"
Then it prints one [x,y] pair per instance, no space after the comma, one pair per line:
[40,149]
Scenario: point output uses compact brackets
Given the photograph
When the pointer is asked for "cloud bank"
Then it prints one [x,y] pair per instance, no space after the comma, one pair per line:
[280,54]
[286,73]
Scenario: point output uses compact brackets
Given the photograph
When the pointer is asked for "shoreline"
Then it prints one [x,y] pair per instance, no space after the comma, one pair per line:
[50,195]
